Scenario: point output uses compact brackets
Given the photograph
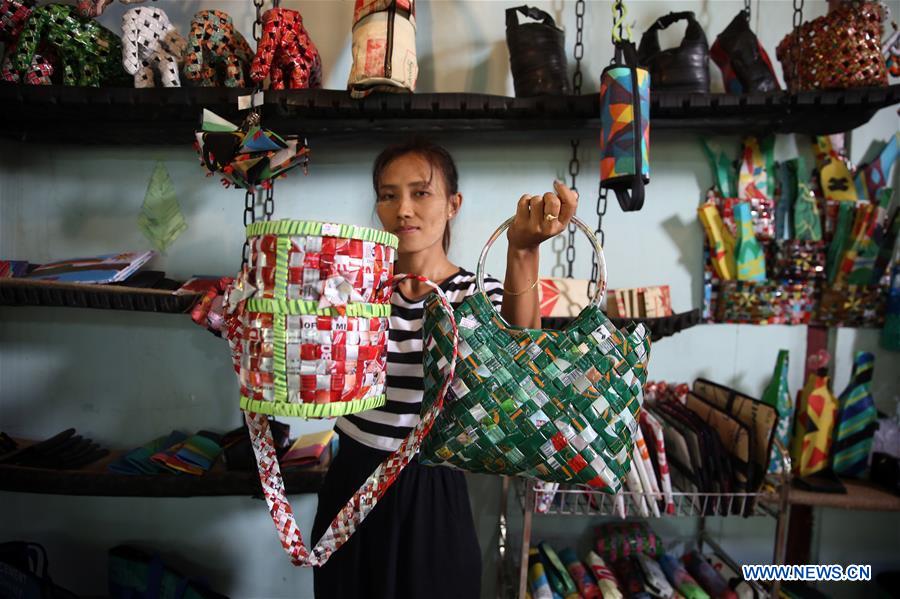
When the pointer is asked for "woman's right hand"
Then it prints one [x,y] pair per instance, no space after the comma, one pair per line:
[539,218]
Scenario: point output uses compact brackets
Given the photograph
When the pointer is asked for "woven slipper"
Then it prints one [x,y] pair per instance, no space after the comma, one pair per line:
[7,444]
[134,573]
[18,455]
[137,461]
[194,455]
[65,450]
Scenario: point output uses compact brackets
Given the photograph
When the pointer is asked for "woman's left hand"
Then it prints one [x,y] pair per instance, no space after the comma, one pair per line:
[538,218]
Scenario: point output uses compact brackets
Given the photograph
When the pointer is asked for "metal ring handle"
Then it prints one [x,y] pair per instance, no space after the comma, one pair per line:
[595,243]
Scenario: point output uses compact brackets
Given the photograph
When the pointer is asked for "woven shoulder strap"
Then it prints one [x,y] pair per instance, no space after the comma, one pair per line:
[367,496]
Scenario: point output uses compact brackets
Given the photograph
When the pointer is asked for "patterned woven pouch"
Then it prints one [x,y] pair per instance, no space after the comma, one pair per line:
[559,406]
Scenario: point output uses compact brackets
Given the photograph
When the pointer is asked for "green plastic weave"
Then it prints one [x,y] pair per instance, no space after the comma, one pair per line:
[308,227]
[559,406]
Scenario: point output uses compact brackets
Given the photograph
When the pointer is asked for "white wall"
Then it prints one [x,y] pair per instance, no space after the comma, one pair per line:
[124,378]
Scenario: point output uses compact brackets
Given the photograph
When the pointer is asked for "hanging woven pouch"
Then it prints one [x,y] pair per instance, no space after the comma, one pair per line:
[625,134]
[554,405]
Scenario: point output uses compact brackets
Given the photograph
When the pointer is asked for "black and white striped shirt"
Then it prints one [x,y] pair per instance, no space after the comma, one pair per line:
[385,427]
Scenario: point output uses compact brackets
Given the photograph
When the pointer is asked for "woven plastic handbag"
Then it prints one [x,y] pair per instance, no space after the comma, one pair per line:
[684,68]
[537,53]
[839,50]
[384,47]
[307,322]
[555,405]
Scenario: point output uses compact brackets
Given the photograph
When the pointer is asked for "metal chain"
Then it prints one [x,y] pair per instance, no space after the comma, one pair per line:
[601,237]
[574,168]
[798,42]
[253,119]
[249,218]
[579,46]
[747,8]
[257,24]
[269,203]
[574,164]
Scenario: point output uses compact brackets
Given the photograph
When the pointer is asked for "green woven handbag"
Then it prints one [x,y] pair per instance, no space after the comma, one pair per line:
[559,406]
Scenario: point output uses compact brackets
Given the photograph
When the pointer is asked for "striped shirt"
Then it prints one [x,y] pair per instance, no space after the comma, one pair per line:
[385,427]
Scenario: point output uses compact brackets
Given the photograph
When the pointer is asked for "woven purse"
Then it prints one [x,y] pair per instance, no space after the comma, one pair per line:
[559,406]
[307,322]
[839,50]
[537,54]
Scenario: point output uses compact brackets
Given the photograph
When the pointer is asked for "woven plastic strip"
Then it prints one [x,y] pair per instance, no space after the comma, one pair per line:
[308,318]
[307,227]
[559,406]
[365,499]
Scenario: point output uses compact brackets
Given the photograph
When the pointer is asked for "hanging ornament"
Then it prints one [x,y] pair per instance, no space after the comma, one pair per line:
[248,156]
[161,219]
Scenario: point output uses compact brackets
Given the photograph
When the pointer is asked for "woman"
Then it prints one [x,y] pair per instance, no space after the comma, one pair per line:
[420,540]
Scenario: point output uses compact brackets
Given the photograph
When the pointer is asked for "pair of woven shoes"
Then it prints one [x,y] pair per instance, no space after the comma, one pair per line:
[65,451]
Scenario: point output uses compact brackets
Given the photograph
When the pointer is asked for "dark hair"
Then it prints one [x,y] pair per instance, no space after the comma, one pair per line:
[437,156]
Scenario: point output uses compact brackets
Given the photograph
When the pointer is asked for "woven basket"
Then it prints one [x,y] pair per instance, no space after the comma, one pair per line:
[559,406]
[839,50]
[852,306]
[310,336]
[307,321]
[764,302]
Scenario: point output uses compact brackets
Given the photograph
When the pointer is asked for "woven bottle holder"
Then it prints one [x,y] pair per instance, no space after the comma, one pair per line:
[383,47]
[555,405]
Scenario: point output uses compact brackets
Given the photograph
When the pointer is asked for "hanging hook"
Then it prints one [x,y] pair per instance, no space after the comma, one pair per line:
[621,29]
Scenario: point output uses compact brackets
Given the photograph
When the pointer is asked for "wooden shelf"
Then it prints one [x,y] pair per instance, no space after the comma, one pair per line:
[95,480]
[169,116]
[860,496]
[26,292]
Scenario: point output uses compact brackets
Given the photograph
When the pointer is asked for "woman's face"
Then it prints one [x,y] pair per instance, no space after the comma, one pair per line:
[413,203]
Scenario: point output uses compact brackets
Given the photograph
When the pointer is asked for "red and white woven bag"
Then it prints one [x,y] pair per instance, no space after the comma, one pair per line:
[307,321]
